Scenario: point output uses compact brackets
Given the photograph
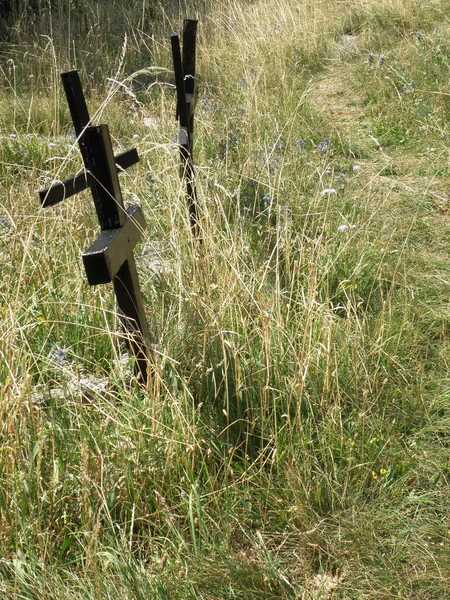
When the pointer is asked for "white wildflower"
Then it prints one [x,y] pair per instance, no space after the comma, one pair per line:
[345,227]
[149,122]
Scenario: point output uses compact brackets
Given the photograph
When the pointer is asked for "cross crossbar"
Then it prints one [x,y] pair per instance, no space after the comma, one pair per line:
[103,259]
[61,190]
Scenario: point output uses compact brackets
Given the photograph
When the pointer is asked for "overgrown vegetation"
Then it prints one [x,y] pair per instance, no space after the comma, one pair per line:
[294,440]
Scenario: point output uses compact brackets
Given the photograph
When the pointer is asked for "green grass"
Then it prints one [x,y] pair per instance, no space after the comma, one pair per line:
[293,441]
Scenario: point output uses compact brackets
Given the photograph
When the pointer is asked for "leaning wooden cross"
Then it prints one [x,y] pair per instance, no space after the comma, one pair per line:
[187,94]
[110,257]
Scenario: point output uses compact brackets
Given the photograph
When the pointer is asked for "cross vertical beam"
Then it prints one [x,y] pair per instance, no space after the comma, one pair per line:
[186,87]
[76,101]
[189,59]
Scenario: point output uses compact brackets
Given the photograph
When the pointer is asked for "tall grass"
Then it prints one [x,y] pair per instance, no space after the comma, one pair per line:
[293,441]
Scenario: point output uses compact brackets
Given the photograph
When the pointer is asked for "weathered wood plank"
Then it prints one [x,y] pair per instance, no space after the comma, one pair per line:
[104,258]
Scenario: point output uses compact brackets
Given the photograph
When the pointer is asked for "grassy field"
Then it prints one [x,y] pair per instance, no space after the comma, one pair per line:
[294,440]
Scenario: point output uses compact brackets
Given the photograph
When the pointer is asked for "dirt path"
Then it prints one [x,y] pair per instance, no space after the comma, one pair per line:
[333,94]
[406,183]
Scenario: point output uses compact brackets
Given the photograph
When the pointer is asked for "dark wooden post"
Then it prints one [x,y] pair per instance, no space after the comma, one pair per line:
[110,257]
[187,94]
[189,60]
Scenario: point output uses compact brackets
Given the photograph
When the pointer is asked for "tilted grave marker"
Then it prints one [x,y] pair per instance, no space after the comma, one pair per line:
[187,95]
[110,257]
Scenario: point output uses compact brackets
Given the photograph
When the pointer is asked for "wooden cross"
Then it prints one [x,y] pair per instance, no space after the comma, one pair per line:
[187,95]
[110,257]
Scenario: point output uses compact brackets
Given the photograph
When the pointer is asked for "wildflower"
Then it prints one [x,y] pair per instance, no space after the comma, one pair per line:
[409,87]
[328,192]
[5,223]
[341,177]
[136,136]
[370,57]
[273,162]
[266,200]
[356,168]
[59,354]
[323,145]
[52,145]
[345,227]
[233,137]
[13,135]
[150,179]
[381,60]
[285,211]
[301,145]
[209,104]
